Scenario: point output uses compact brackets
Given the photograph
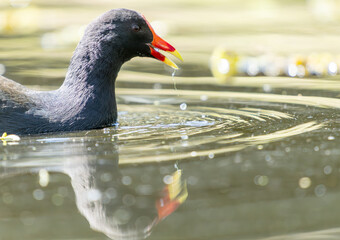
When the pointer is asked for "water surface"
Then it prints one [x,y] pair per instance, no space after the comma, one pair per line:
[206,160]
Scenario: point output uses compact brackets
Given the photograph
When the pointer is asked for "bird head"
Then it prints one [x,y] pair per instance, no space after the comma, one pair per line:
[132,34]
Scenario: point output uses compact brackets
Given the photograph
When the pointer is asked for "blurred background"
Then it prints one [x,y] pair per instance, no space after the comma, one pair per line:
[248,126]
[38,37]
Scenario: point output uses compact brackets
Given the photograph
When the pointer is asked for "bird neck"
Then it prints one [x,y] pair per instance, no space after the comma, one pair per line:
[89,87]
[92,67]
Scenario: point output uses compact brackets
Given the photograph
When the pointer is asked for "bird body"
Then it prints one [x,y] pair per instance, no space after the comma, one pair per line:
[86,99]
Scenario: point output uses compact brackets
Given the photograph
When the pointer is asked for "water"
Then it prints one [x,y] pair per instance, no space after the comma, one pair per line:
[244,160]
[173,79]
[254,158]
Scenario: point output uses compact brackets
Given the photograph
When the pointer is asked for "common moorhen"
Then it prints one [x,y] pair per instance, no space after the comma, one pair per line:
[86,99]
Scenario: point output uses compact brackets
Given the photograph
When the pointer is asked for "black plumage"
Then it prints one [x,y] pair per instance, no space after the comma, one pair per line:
[86,99]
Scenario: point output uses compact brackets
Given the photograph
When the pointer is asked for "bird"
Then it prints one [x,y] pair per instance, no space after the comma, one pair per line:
[86,99]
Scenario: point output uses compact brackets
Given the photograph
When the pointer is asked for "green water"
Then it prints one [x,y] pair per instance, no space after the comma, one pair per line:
[206,160]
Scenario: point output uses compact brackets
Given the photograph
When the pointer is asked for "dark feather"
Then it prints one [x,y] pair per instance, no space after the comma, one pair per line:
[86,100]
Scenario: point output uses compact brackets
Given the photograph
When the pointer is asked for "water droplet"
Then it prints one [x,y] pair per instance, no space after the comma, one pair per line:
[332,68]
[38,194]
[268,158]
[223,66]
[320,190]
[183,106]
[44,177]
[126,180]
[173,79]
[184,137]
[267,88]
[193,154]
[261,180]
[327,170]
[330,138]
[211,155]
[292,70]
[129,200]
[111,193]
[173,73]
[204,97]
[305,182]
[168,179]
[106,177]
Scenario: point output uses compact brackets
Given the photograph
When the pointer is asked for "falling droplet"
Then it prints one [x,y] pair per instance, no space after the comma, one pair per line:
[173,74]
[173,79]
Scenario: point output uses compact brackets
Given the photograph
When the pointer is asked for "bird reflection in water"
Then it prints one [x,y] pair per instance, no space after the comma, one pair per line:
[109,205]
[174,194]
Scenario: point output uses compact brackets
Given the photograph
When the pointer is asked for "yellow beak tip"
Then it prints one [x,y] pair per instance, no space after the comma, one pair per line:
[177,55]
[170,63]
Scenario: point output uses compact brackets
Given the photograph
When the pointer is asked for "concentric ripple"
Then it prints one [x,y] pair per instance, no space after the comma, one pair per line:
[168,125]
[154,125]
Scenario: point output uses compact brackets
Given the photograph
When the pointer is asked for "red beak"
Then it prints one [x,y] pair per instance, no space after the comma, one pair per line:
[159,44]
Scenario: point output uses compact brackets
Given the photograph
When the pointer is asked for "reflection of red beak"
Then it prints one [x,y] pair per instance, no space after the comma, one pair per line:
[159,44]
[174,194]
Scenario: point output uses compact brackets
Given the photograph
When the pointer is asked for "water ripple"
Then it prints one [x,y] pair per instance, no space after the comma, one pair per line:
[153,127]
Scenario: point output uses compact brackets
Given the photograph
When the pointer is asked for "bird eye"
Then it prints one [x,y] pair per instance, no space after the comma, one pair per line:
[136,28]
